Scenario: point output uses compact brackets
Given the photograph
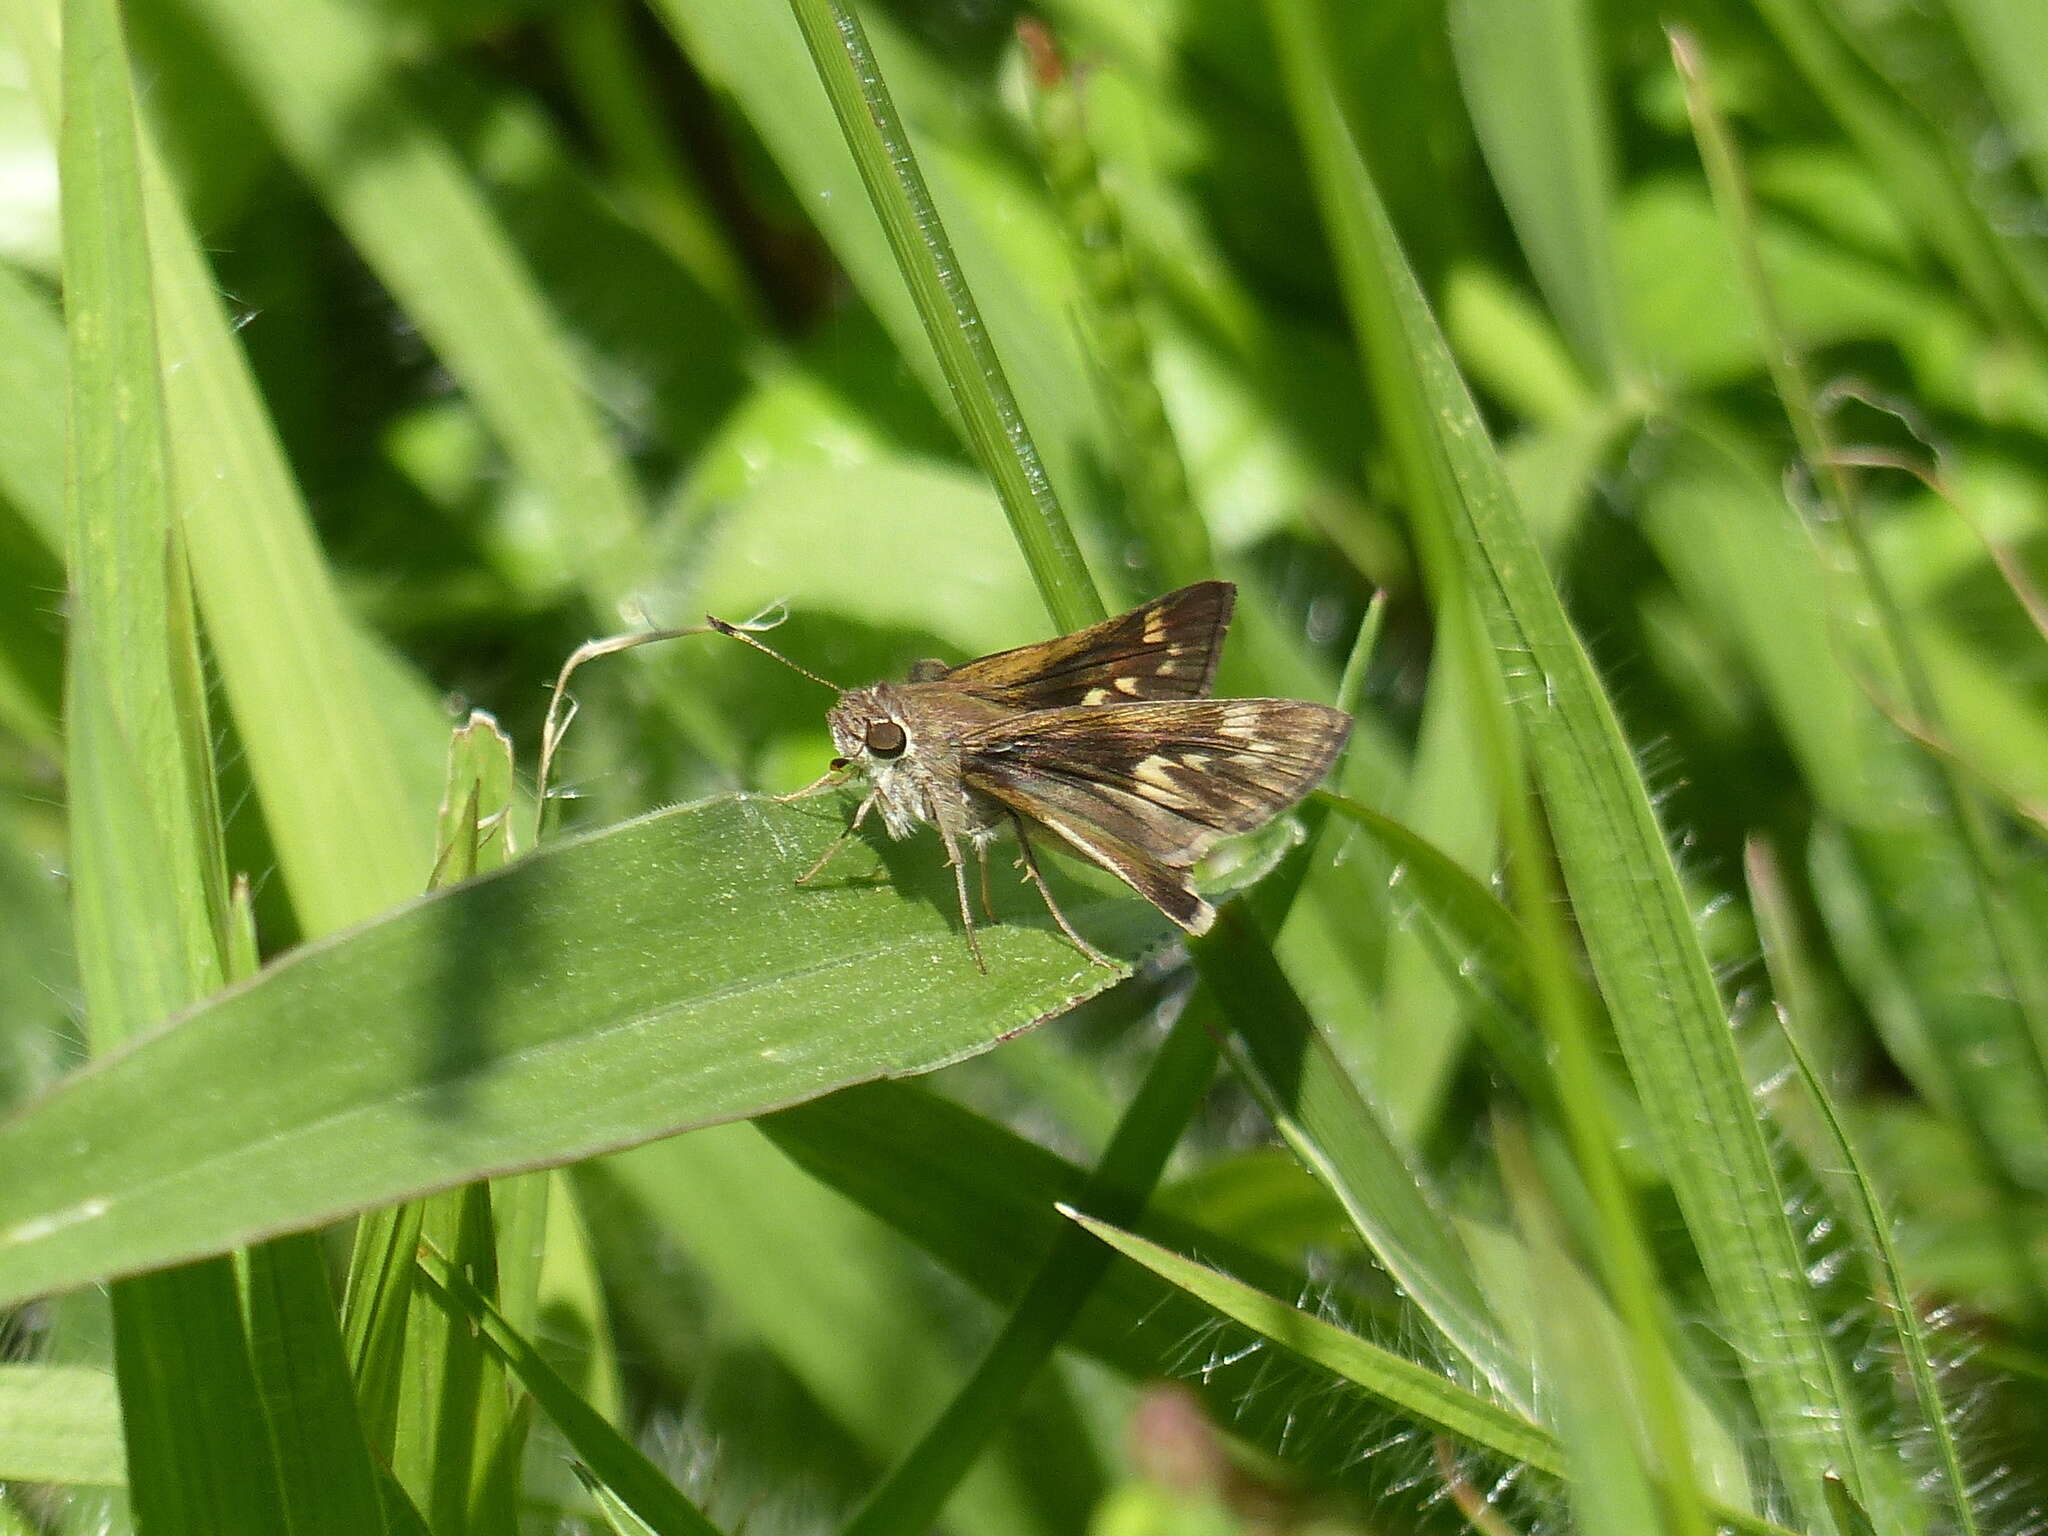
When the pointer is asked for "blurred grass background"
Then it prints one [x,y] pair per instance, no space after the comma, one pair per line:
[422,342]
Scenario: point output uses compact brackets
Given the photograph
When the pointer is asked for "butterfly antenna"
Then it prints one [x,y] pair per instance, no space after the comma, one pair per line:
[744,638]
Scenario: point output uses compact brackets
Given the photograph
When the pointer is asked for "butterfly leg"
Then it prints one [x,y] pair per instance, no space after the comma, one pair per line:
[988,909]
[1031,873]
[830,779]
[837,843]
[960,886]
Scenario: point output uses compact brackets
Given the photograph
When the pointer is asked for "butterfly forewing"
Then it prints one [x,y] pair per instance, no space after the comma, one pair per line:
[1146,789]
[1166,649]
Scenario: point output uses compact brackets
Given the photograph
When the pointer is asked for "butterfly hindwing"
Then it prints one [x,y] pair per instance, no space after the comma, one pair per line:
[1166,649]
[1146,789]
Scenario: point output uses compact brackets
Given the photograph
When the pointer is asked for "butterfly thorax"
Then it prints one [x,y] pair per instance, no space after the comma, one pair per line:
[905,739]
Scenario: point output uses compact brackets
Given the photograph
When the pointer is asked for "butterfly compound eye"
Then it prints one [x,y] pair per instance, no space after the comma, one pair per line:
[886,739]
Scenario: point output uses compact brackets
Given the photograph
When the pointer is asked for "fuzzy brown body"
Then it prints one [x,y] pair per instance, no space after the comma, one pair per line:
[924,784]
[1104,738]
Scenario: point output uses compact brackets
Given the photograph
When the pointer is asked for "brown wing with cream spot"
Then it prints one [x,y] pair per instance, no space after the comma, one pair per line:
[1166,649]
[1146,789]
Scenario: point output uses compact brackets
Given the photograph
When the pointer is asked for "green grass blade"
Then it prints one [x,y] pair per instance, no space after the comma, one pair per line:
[617,1513]
[1610,1489]
[454,1425]
[1618,872]
[328,1478]
[148,896]
[1160,503]
[60,1424]
[334,756]
[401,1517]
[428,1047]
[510,1242]
[148,943]
[31,375]
[1413,1389]
[452,1403]
[980,389]
[1324,1117]
[374,1310]
[199,1455]
[615,1461]
[375,1320]
[1777,929]
[569,1309]
[1531,78]
[810,1281]
[1851,1518]
[1583,1094]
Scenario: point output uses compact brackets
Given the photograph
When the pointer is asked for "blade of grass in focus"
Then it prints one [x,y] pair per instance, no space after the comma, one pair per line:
[1472,1420]
[1783,955]
[611,1459]
[452,1412]
[757,50]
[980,389]
[1610,1486]
[336,758]
[1470,1417]
[148,890]
[1617,870]
[549,976]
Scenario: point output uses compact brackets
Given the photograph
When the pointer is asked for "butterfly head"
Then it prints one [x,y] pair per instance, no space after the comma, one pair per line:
[873,734]
[869,731]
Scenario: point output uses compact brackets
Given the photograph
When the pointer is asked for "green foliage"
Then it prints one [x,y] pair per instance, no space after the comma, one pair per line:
[1601,1109]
